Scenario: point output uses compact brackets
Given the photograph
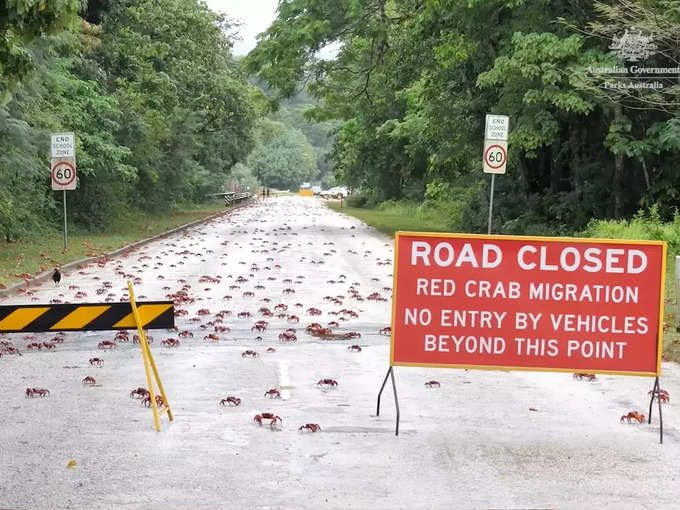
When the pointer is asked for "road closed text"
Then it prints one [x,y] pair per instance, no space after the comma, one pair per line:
[530,257]
[533,303]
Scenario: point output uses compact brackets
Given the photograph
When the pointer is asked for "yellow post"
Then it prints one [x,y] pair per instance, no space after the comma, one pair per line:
[149,363]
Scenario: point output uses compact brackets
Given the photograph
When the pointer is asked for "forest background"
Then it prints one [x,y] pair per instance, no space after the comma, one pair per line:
[164,114]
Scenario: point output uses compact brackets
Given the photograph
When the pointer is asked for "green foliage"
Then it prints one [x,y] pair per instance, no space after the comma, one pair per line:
[413,79]
[160,109]
[645,225]
[22,21]
[244,177]
[282,157]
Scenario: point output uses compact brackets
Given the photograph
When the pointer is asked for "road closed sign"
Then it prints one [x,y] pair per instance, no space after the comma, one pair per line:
[64,174]
[528,303]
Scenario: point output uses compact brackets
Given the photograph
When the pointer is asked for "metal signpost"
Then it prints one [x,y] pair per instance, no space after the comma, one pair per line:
[63,168]
[495,151]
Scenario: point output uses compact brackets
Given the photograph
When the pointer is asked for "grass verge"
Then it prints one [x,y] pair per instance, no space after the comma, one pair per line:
[389,221]
[46,250]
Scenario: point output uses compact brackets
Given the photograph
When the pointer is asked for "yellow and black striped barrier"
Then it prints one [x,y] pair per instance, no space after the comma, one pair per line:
[85,317]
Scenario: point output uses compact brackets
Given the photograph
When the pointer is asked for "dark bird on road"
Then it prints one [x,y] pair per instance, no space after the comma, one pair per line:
[56,276]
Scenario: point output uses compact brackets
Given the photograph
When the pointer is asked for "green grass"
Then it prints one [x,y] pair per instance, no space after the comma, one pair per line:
[46,250]
[393,219]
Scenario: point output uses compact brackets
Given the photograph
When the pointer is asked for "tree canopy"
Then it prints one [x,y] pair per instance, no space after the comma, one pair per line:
[413,79]
[160,108]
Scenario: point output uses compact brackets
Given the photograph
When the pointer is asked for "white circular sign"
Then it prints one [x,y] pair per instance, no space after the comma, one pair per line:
[63,175]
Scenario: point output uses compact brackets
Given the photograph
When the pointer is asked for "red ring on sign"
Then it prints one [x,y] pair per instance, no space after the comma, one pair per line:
[73,173]
[486,153]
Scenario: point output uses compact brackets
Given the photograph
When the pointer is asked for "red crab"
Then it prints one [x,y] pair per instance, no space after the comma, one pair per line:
[354,348]
[288,336]
[170,342]
[37,392]
[312,427]
[139,393]
[185,334]
[260,326]
[273,393]
[203,311]
[661,395]
[106,344]
[96,361]
[327,382]
[633,415]
[232,401]
[243,315]
[271,349]
[249,354]
[432,384]
[386,330]
[267,416]
[588,377]
[146,401]
[314,311]
[89,381]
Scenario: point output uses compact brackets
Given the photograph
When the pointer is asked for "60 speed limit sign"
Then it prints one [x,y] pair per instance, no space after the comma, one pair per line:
[495,156]
[64,174]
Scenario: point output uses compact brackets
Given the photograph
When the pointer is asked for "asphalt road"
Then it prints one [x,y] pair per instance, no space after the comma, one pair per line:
[475,442]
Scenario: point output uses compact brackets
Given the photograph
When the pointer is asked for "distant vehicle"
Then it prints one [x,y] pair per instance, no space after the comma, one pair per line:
[316,189]
[335,192]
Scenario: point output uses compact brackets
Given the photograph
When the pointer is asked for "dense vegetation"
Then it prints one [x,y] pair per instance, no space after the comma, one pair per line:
[160,108]
[413,80]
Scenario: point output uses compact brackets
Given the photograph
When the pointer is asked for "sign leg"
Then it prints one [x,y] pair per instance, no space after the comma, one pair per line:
[396,400]
[493,180]
[377,411]
[656,392]
[390,373]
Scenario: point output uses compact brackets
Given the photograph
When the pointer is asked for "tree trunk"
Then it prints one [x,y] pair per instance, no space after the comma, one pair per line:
[617,182]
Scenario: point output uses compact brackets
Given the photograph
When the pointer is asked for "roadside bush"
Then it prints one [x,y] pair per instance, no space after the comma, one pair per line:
[363,199]
[645,225]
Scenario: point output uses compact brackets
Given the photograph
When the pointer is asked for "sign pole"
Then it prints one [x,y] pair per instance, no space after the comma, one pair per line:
[493,179]
[65,226]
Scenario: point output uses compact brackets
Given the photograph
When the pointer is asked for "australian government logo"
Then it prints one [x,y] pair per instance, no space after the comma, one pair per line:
[634,48]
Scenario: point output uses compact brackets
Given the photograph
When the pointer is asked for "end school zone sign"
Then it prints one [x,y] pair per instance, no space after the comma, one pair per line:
[528,303]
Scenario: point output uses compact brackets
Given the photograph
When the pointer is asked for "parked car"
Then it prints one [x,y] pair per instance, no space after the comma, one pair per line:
[316,190]
[335,192]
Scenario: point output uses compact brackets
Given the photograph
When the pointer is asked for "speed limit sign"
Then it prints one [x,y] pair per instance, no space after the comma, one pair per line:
[64,174]
[495,156]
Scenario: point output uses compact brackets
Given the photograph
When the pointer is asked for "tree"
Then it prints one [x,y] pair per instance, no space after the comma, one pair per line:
[282,158]
[21,22]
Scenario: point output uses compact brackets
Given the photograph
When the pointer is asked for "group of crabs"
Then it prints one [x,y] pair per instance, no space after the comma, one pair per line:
[273,418]
[632,416]
[183,297]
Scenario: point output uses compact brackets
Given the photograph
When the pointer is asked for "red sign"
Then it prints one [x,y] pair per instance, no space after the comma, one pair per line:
[528,303]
